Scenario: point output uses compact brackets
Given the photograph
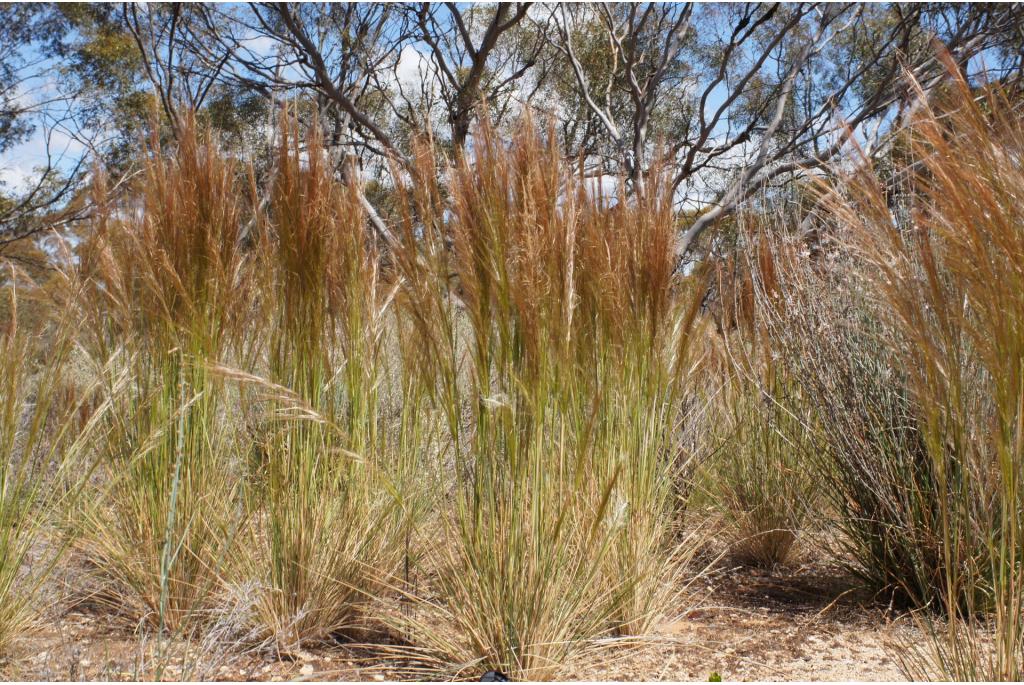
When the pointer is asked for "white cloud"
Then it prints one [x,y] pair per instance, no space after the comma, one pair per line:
[260,46]
[16,179]
[413,67]
[19,165]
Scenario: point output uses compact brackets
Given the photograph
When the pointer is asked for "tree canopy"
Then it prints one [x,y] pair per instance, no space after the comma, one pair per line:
[722,99]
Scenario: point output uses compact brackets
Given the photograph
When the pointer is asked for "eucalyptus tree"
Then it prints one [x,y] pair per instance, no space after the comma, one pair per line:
[33,106]
[725,99]
[734,97]
[731,98]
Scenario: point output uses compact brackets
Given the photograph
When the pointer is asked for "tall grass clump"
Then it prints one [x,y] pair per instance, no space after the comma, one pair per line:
[757,477]
[162,273]
[329,536]
[42,464]
[573,332]
[952,281]
[632,324]
[758,482]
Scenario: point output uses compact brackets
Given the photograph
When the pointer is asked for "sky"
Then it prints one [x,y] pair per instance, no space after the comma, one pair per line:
[59,138]
[55,127]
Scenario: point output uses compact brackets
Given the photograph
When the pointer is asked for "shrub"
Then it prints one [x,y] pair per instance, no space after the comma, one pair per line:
[863,448]
[952,281]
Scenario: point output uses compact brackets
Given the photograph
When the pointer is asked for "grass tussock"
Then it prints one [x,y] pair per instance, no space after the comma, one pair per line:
[328,536]
[44,435]
[574,330]
[163,279]
[756,478]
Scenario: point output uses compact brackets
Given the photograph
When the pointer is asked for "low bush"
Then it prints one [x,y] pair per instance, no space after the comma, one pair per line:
[951,279]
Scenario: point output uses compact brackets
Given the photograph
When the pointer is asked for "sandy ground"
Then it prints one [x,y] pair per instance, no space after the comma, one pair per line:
[798,624]
[795,625]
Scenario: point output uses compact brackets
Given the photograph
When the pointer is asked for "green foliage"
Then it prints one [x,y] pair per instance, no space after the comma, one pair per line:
[100,60]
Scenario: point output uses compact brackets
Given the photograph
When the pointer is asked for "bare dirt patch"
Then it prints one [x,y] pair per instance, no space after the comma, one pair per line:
[801,624]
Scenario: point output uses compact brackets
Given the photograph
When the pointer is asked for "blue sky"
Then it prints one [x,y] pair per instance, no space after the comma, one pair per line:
[55,124]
